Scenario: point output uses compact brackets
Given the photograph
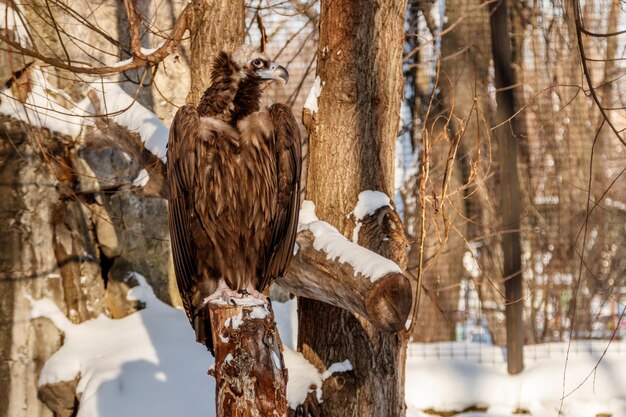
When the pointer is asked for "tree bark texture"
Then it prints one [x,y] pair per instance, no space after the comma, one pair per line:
[216,25]
[353,135]
[351,149]
[250,372]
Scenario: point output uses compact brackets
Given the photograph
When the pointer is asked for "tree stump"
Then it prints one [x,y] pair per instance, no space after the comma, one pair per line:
[250,373]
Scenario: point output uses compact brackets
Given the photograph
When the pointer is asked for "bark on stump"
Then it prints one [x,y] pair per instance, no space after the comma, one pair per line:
[250,373]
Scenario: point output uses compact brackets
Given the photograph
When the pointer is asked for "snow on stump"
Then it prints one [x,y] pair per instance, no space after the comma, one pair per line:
[250,373]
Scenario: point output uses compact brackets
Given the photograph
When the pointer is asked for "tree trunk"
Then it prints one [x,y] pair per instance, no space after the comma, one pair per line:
[216,25]
[354,133]
[508,135]
[250,373]
[353,136]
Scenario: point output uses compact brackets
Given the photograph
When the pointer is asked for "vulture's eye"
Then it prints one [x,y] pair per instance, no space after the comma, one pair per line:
[258,63]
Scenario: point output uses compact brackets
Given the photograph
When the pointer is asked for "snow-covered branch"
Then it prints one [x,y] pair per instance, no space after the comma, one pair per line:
[118,134]
[329,268]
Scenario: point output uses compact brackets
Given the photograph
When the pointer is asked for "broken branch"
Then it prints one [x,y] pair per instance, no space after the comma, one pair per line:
[250,372]
[385,302]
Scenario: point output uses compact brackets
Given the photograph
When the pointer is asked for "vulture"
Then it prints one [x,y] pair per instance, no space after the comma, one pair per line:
[233,171]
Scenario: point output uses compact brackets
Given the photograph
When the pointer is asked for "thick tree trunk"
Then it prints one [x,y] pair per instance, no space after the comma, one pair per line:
[353,137]
[216,25]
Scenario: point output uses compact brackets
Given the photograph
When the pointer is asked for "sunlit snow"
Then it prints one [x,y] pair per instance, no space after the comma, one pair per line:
[336,246]
[126,111]
[367,203]
[314,93]
[148,363]
[41,109]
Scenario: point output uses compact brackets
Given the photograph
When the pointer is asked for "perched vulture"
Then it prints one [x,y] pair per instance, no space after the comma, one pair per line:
[233,169]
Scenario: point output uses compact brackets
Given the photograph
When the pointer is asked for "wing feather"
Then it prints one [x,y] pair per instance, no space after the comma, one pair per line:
[181,178]
[288,150]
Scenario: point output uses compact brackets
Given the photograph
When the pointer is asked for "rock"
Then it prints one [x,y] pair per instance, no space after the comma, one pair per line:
[60,397]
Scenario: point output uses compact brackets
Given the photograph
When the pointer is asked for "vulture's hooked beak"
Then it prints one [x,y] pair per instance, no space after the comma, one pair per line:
[274,72]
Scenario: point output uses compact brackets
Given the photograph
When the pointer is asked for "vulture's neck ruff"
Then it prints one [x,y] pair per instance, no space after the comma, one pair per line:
[234,93]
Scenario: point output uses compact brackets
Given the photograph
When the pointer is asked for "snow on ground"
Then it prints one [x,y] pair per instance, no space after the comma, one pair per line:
[148,363]
[455,376]
[336,246]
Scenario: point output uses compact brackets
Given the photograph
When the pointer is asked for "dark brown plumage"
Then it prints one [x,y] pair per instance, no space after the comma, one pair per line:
[234,176]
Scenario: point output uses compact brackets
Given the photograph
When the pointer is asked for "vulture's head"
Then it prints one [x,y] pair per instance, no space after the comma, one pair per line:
[252,63]
[238,81]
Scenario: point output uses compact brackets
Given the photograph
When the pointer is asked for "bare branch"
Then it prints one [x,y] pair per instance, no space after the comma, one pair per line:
[579,31]
[139,59]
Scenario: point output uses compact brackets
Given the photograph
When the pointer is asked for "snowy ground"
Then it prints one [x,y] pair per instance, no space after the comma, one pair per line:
[149,364]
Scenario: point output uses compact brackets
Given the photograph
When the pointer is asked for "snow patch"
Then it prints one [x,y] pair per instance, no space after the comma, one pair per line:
[122,62]
[276,360]
[145,51]
[235,321]
[303,378]
[337,367]
[314,93]
[126,111]
[150,51]
[10,20]
[355,232]
[142,178]
[259,313]
[41,109]
[286,315]
[368,202]
[336,246]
